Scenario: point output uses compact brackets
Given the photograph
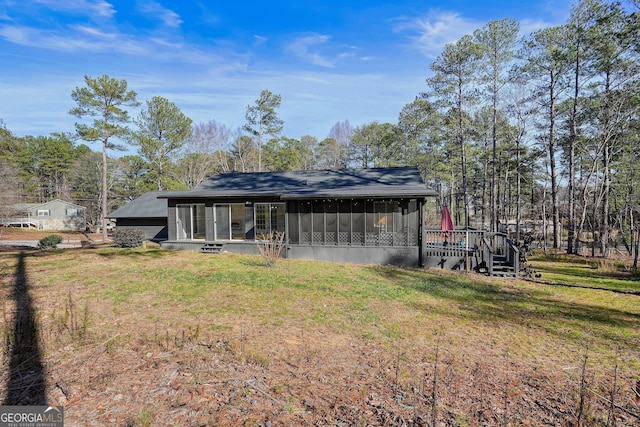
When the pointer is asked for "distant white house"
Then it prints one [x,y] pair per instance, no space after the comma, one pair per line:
[53,215]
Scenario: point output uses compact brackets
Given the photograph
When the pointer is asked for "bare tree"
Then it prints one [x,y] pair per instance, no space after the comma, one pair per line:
[206,152]
[335,155]
[245,154]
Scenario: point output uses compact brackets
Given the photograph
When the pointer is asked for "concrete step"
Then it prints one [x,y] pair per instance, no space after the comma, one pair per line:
[211,248]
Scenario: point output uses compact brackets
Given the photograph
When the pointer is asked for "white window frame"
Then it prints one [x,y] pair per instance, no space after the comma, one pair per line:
[268,219]
[179,226]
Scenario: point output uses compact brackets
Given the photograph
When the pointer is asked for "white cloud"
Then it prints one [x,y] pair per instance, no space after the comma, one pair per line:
[94,32]
[259,40]
[302,48]
[168,17]
[93,41]
[98,8]
[87,39]
[528,26]
[438,28]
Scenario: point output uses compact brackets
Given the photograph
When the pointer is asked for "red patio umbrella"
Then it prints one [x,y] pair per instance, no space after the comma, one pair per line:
[446,224]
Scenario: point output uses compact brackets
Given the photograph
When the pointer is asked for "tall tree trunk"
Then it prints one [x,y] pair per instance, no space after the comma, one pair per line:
[494,183]
[105,191]
[555,211]
[635,257]
[606,188]
[518,190]
[573,135]
[485,173]
[463,159]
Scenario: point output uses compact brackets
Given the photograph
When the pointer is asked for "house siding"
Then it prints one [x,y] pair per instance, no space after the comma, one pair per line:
[397,242]
[153,228]
[57,218]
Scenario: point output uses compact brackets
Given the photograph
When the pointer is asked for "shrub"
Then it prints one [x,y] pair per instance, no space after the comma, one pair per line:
[271,246]
[51,241]
[129,237]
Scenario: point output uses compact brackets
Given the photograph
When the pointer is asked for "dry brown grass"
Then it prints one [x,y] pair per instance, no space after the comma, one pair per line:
[149,337]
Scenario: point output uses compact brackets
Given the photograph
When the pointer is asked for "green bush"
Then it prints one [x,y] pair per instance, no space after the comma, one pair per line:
[51,241]
[129,237]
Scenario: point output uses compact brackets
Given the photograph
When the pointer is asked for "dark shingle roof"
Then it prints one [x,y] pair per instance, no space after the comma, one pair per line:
[375,182]
[146,206]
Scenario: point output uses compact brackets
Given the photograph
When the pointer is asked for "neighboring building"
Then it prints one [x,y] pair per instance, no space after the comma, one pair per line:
[147,213]
[54,215]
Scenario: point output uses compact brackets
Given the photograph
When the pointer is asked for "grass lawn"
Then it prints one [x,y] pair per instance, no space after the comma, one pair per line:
[156,337]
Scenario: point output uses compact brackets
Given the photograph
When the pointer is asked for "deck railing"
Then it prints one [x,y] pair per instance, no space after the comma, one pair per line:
[468,249]
[457,249]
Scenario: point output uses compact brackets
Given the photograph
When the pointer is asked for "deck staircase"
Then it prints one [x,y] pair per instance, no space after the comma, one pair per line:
[503,268]
[212,248]
[500,256]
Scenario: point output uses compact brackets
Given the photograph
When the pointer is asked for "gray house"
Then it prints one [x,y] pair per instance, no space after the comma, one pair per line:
[365,216]
[53,215]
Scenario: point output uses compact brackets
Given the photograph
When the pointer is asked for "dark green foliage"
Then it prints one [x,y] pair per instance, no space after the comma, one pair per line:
[129,237]
[51,241]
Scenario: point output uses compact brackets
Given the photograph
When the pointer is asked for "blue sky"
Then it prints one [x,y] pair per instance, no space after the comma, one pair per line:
[330,61]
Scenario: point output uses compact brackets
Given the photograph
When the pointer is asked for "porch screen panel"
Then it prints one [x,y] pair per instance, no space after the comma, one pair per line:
[372,224]
[413,221]
[385,214]
[357,223]
[331,222]
[318,222]
[400,224]
[294,223]
[305,222]
[344,222]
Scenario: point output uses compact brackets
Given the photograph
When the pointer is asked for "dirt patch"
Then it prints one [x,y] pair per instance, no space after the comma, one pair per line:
[27,239]
[330,380]
[15,233]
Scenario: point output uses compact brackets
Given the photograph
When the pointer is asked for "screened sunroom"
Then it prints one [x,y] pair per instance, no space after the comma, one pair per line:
[354,222]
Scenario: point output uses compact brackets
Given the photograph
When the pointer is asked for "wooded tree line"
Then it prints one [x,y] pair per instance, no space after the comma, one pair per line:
[510,129]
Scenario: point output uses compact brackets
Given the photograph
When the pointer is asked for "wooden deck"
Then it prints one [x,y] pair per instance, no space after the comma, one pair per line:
[493,254]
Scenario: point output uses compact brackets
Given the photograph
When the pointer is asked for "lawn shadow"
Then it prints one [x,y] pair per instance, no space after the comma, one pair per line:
[574,285]
[485,301]
[133,253]
[26,383]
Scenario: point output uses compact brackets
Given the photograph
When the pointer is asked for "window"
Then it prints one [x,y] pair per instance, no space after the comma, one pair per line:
[190,222]
[229,221]
[270,218]
[44,212]
[72,212]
